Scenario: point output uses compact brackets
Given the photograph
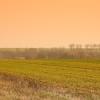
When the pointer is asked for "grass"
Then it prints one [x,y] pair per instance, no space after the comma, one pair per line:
[77,77]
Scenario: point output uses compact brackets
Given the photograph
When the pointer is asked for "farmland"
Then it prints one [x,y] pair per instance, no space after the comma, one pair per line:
[50,79]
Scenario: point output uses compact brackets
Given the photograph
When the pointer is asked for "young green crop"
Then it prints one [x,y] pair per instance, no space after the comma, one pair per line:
[80,75]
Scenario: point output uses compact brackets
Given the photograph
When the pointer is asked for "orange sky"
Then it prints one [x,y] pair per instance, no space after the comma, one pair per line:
[49,23]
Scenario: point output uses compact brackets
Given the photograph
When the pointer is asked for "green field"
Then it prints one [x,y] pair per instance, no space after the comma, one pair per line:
[79,77]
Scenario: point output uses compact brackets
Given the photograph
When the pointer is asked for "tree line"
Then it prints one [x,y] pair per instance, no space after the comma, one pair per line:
[73,51]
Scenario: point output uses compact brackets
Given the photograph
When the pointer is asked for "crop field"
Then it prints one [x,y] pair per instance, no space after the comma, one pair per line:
[50,79]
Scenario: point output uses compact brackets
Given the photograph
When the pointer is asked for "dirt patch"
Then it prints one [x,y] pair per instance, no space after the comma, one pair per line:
[22,88]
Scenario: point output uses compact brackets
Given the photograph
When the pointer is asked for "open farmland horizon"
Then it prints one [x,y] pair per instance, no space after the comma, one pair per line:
[49,49]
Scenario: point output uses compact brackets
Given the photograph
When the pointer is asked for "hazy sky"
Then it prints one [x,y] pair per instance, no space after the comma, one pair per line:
[49,23]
